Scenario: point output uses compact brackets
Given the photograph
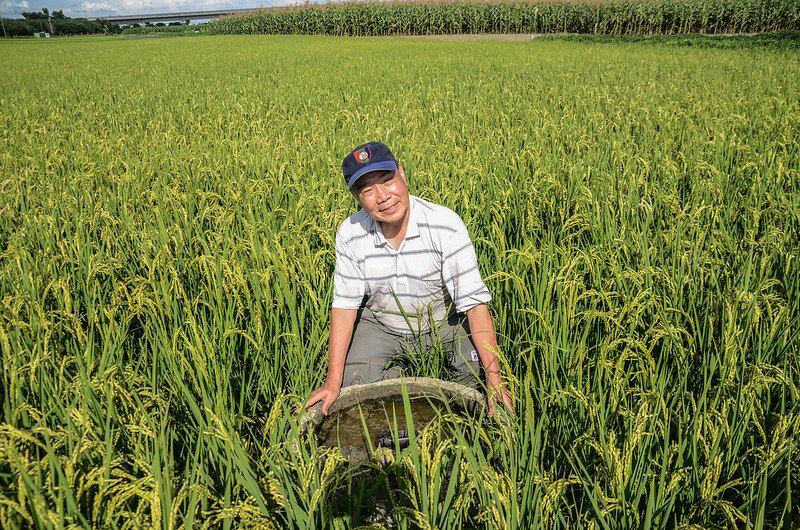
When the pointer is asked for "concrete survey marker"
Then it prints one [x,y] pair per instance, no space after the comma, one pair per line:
[373,415]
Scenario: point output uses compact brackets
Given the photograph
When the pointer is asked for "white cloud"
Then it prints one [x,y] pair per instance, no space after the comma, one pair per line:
[100,8]
[170,6]
[8,6]
[132,7]
[97,6]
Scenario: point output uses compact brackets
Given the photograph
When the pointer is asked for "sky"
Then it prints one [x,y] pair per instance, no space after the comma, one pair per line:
[100,8]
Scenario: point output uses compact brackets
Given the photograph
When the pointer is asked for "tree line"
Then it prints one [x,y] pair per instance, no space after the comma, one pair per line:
[55,23]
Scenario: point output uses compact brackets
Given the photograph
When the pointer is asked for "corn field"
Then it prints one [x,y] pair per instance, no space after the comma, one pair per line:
[167,218]
[633,17]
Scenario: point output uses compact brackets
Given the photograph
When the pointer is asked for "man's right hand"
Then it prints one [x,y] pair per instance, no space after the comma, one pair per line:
[342,323]
[327,393]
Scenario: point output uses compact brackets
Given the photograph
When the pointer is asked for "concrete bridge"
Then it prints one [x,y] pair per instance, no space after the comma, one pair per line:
[183,16]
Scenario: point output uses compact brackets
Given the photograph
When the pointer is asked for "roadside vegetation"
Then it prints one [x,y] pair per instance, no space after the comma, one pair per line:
[55,23]
[778,41]
[166,30]
[167,218]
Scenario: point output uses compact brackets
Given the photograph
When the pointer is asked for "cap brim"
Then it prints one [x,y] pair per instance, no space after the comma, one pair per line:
[385,165]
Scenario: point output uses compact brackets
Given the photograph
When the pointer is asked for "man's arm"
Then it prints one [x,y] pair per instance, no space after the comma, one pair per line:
[342,323]
[483,335]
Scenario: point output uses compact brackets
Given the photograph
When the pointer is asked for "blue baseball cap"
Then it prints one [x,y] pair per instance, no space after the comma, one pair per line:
[371,156]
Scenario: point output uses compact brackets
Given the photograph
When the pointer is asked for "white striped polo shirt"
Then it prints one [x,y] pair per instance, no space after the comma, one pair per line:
[434,270]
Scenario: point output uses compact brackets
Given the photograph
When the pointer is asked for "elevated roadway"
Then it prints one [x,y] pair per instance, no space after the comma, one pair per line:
[180,16]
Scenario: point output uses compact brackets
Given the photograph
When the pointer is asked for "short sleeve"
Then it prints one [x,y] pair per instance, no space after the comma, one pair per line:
[460,270]
[348,277]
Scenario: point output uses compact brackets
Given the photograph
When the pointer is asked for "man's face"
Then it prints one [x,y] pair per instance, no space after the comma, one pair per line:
[383,195]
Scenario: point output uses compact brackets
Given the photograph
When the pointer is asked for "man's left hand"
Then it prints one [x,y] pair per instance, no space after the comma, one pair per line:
[499,394]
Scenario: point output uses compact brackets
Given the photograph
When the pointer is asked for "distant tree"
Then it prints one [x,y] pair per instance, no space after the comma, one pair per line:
[76,27]
[35,24]
[36,15]
[110,27]
[44,14]
[59,24]
[18,28]
[81,26]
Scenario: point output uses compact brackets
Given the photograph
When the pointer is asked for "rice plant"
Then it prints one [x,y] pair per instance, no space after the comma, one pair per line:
[167,214]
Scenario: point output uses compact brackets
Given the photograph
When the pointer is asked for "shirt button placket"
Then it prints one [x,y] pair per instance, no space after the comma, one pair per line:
[400,284]
[396,267]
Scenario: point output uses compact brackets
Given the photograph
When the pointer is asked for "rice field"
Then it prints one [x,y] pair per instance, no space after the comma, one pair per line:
[167,218]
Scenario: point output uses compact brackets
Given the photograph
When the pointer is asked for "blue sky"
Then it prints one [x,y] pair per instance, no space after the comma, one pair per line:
[99,8]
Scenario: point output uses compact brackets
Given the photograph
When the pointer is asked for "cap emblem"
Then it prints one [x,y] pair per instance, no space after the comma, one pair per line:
[362,155]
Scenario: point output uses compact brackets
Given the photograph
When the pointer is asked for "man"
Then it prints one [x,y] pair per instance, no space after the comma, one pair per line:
[406,274]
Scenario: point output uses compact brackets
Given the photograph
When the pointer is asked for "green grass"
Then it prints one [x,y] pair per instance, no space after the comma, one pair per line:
[167,213]
[778,41]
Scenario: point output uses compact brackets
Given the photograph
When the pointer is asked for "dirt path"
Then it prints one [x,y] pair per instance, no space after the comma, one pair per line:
[475,36]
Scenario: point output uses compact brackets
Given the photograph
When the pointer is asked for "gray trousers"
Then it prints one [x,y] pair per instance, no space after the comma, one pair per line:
[373,346]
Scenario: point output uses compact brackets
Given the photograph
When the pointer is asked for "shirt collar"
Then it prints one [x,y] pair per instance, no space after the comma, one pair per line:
[412,230]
